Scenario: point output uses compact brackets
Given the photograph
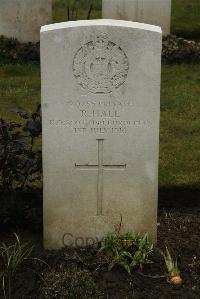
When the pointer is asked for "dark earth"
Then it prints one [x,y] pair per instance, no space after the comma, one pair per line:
[178,228]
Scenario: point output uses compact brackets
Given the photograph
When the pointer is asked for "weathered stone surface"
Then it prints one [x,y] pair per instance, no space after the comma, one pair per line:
[22,19]
[155,12]
[100,101]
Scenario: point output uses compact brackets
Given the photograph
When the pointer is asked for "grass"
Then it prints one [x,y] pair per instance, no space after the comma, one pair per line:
[186,18]
[180,126]
[79,9]
[185,14]
[180,108]
[19,86]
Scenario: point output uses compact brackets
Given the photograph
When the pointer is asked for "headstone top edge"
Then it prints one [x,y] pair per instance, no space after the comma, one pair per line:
[101,22]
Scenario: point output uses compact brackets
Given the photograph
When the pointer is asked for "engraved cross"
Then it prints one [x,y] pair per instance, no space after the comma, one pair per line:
[100,167]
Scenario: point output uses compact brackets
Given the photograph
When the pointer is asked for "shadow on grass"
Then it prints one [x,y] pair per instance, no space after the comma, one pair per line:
[179,197]
[23,210]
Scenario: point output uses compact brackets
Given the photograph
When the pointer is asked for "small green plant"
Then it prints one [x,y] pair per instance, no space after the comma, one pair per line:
[173,275]
[70,284]
[127,250]
[12,256]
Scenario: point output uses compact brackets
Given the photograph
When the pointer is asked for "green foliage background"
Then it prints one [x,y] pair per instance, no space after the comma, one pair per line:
[180,89]
[185,14]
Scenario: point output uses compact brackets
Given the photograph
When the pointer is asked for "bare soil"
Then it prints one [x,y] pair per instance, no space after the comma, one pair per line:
[178,228]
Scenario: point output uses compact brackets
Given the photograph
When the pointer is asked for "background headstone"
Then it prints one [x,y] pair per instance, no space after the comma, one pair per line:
[22,19]
[155,12]
[101,107]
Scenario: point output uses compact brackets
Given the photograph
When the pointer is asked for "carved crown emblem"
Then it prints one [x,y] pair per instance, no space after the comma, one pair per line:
[100,65]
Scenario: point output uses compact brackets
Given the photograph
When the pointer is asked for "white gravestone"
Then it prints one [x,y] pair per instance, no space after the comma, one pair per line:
[155,12]
[22,19]
[100,99]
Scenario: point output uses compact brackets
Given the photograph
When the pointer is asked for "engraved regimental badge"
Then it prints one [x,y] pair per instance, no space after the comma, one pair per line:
[100,65]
